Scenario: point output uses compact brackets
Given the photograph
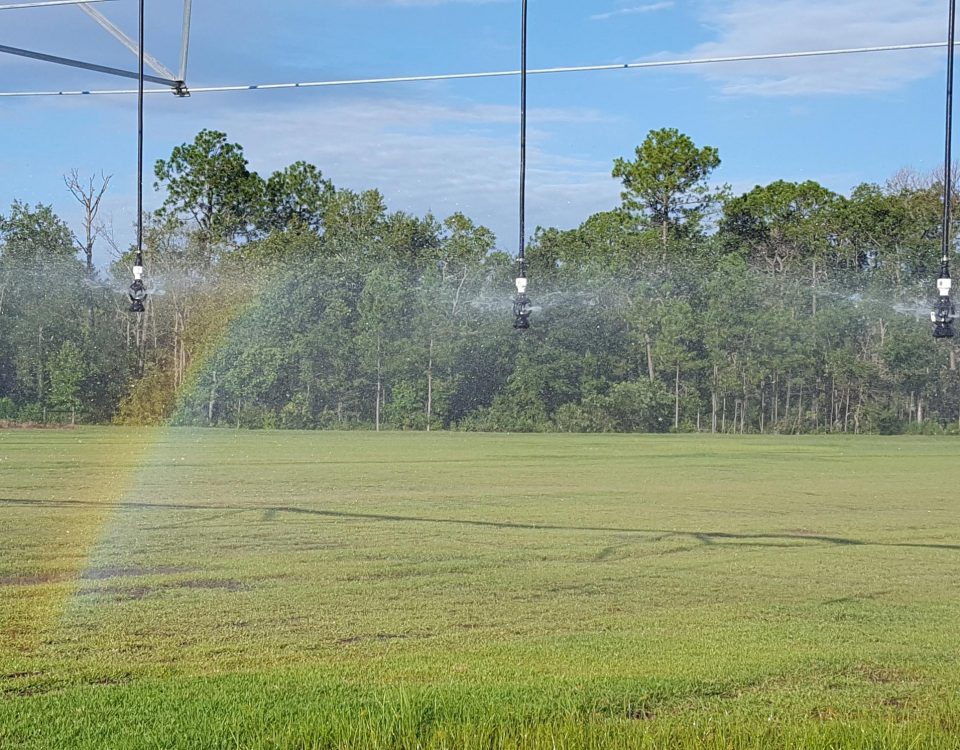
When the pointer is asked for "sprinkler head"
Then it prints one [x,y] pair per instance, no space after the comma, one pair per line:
[522,307]
[942,317]
[137,292]
[944,311]
[521,312]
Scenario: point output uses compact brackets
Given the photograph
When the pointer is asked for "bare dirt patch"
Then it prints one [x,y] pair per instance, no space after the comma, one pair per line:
[641,713]
[35,579]
[95,574]
[897,702]
[8,425]
[135,593]
[103,574]
[20,675]
[225,585]
[824,714]
[879,675]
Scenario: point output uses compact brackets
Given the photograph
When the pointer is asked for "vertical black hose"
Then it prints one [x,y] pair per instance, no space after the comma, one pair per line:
[140,143]
[948,150]
[523,141]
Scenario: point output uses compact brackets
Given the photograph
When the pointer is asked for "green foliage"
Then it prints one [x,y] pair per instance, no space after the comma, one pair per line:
[295,197]
[884,421]
[667,182]
[148,401]
[895,229]
[35,236]
[32,414]
[67,373]
[784,223]
[287,302]
[208,181]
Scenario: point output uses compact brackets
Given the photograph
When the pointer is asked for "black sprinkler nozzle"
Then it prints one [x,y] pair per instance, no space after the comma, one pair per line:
[943,315]
[943,331]
[522,309]
[138,295]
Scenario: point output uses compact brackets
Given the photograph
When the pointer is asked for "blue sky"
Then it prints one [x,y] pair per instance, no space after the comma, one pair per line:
[452,146]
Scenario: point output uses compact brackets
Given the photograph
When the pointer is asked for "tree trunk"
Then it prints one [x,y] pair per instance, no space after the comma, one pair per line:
[713,403]
[213,399]
[763,405]
[786,411]
[676,400]
[650,370]
[665,228]
[430,386]
[859,411]
[813,307]
[776,399]
[89,195]
[379,385]
[833,402]
[40,363]
[743,405]
[846,412]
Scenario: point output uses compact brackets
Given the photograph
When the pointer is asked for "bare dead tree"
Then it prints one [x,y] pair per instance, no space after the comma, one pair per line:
[89,194]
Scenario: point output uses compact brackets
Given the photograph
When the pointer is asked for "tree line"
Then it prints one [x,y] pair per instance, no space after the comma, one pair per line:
[286,302]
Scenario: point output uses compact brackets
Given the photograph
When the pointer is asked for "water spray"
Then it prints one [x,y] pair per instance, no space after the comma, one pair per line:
[522,307]
[944,311]
[138,291]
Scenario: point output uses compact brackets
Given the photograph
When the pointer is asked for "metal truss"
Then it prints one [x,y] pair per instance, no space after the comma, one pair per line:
[176,82]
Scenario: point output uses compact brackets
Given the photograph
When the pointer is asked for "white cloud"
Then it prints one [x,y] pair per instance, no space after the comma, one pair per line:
[744,27]
[633,10]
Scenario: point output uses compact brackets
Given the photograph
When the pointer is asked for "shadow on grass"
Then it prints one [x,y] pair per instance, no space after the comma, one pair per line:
[706,538]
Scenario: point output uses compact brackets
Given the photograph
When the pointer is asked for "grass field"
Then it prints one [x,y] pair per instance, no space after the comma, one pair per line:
[210,589]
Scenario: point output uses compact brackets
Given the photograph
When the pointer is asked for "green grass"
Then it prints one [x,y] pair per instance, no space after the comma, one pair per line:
[207,589]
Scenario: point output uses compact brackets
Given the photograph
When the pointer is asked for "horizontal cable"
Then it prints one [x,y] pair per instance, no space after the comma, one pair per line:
[502,73]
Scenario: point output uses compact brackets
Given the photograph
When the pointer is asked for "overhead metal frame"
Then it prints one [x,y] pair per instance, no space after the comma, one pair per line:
[42,56]
[45,3]
[164,76]
[185,38]
[113,30]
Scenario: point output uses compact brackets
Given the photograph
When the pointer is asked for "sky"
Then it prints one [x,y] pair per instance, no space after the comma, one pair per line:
[453,146]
